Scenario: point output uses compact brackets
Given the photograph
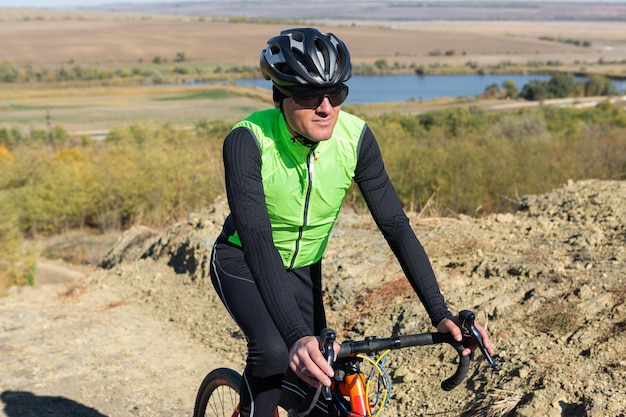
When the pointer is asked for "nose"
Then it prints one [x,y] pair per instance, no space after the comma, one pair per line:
[325,104]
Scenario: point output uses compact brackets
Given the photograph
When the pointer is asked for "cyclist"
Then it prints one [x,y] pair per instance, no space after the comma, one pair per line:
[287,170]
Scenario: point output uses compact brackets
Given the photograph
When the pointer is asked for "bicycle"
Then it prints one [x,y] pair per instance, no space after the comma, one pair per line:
[218,395]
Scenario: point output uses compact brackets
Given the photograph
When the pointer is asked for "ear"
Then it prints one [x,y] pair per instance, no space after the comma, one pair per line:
[278,97]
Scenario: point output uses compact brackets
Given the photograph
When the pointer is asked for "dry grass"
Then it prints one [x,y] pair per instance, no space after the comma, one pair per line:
[392,292]
[113,40]
[37,37]
[556,316]
[496,403]
[115,304]
[73,291]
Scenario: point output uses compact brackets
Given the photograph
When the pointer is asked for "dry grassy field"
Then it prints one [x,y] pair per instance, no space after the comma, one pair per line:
[106,39]
[61,37]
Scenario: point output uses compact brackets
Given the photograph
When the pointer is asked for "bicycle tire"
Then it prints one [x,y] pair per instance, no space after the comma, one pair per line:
[218,395]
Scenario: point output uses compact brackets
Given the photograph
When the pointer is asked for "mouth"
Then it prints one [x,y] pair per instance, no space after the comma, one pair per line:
[324,120]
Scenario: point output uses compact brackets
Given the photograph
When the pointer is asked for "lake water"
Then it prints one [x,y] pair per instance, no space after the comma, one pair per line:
[406,87]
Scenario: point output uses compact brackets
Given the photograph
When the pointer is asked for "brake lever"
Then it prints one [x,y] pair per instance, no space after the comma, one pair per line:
[327,346]
[471,333]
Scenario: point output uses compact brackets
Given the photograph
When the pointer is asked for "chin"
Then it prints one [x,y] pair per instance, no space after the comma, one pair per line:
[322,136]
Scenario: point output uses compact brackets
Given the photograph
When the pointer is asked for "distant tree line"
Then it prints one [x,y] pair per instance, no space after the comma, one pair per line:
[560,85]
[570,41]
[159,71]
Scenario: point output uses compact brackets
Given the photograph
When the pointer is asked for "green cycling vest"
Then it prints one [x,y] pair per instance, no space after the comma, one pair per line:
[304,187]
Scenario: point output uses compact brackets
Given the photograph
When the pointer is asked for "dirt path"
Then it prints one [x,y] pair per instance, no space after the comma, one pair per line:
[72,347]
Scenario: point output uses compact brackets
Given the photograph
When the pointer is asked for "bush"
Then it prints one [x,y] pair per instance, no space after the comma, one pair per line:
[510,89]
[561,85]
[478,162]
[140,174]
[17,264]
[536,90]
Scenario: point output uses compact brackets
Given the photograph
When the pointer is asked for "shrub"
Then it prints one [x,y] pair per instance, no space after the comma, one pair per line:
[17,264]
[5,154]
[561,85]
[141,173]
[597,85]
[510,89]
[476,161]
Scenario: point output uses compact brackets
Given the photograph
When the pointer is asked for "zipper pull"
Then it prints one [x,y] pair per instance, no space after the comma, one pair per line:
[311,162]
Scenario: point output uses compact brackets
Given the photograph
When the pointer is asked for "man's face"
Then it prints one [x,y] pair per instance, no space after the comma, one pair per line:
[310,112]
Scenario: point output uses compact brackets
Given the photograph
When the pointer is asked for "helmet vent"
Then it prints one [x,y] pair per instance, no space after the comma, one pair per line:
[297,36]
[274,49]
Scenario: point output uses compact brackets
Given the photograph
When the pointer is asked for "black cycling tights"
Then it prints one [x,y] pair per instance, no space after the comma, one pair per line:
[267,365]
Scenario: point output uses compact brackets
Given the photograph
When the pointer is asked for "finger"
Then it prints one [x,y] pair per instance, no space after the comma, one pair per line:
[304,374]
[320,365]
[321,375]
[314,376]
[449,326]
[309,368]
[456,333]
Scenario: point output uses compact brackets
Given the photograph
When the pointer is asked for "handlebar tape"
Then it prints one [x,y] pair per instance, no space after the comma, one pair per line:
[461,371]
[377,345]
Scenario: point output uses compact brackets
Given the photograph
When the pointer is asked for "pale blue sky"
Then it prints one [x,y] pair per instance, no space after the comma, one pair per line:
[51,4]
[90,3]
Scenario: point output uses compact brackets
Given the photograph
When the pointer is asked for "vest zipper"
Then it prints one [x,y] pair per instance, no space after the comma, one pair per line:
[305,215]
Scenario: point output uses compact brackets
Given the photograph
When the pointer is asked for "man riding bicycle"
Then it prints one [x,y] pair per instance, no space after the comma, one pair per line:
[287,171]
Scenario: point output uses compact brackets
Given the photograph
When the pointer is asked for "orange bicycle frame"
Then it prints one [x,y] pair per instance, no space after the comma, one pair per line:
[353,387]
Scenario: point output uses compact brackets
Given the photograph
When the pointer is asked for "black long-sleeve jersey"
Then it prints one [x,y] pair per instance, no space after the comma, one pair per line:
[249,216]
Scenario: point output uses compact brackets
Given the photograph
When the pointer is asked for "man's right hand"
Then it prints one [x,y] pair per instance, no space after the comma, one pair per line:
[307,361]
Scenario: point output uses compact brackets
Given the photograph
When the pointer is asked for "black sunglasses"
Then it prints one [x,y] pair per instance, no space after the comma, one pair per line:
[312,98]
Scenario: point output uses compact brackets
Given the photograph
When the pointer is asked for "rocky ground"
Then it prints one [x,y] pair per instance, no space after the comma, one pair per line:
[135,336]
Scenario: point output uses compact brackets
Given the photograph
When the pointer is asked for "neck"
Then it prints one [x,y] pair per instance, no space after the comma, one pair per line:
[297,137]
[304,140]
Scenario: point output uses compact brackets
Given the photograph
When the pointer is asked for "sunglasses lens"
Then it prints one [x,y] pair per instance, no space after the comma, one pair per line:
[309,100]
[313,98]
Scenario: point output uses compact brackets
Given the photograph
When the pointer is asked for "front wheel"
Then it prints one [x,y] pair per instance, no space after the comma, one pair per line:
[218,395]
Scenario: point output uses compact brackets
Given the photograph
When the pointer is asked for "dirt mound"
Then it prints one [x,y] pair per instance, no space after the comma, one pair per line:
[548,281]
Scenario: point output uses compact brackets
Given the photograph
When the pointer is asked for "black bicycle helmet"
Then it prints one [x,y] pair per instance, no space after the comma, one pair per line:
[305,56]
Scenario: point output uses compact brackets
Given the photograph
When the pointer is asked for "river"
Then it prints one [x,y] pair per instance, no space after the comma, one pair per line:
[408,87]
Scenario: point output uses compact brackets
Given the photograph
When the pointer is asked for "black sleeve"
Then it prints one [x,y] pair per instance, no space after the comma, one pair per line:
[244,189]
[383,203]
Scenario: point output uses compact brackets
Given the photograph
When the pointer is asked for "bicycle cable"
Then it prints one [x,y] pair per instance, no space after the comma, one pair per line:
[383,375]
